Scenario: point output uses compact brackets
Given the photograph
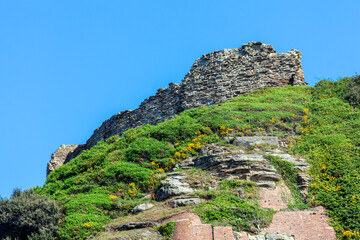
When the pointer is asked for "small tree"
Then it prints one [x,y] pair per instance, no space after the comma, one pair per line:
[27,215]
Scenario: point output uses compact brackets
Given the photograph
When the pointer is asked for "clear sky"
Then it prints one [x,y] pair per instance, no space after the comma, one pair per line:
[66,66]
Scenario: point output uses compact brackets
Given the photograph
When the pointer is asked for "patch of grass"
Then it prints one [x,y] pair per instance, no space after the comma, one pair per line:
[227,209]
[166,230]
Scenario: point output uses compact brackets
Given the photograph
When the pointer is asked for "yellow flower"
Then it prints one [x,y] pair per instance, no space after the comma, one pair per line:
[112,197]
[88,224]
[132,184]
[272,120]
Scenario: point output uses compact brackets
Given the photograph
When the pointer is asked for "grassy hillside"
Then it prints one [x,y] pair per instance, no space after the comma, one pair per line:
[321,123]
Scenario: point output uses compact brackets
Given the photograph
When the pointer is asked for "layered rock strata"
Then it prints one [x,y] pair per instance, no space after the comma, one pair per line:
[214,78]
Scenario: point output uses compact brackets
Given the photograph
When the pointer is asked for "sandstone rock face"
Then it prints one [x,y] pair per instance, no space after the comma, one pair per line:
[229,163]
[214,78]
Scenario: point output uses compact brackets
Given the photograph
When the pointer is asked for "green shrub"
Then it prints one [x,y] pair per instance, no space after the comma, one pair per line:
[127,172]
[228,209]
[86,214]
[147,149]
[27,214]
[332,148]
[166,230]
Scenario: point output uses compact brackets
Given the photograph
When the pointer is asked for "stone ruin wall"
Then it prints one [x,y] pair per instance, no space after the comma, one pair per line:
[214,78]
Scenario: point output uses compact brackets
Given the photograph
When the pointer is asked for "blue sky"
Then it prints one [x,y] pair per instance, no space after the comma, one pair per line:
[66,66]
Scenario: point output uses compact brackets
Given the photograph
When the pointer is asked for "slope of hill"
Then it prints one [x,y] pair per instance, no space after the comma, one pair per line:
[320,124]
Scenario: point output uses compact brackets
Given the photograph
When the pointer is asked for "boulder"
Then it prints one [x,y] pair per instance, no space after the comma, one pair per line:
[184,201]
[142,207]
[173,186]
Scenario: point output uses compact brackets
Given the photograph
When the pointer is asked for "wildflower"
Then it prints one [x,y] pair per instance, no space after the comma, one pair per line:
[112,197]
[88,224]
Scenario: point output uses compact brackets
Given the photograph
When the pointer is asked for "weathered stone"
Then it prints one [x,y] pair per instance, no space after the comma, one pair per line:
[172,186]
[229,163]
[184,201]
[138,234]
[214,78]
[131,225]
[303,180]
[274,236]
[142,207]
[271,236]
[61,155]
[252,141]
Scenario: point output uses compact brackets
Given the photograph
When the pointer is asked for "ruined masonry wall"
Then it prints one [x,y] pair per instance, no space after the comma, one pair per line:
[214,78]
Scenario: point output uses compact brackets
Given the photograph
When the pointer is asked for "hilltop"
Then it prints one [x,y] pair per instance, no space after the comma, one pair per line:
[273,160]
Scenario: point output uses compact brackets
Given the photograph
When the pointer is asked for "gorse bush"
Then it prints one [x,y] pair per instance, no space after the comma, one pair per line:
[26,215]
[333,148]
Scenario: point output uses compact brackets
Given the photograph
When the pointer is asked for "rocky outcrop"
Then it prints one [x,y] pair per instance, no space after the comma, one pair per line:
[230,163]
[59,157]
[173,186]
[131,225]
[142,207]
[184,201]
[214,78]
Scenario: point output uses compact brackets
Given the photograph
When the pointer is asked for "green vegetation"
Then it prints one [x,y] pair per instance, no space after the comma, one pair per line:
[166,230]
[26,215]
[128,167]
[332,148]
[235,204]
[321,124]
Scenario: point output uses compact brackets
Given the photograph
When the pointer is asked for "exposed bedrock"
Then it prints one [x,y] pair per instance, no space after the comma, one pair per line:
[214,78]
